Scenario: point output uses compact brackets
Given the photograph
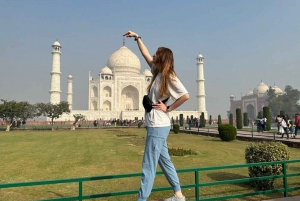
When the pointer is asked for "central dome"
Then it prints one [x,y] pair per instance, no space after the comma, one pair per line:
[124,61]
[261,88]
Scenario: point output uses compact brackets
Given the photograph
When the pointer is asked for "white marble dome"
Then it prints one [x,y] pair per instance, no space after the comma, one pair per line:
[56,43]
[249,93]
[106,70]
[278,91]
[124,61]
[200,56]
[70,76]
[261,88]
[148,73]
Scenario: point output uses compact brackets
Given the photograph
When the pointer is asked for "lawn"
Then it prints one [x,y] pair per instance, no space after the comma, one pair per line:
[47,155]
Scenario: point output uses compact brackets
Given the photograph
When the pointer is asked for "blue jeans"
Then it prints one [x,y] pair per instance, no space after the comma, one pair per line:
[156,151]
[296,130]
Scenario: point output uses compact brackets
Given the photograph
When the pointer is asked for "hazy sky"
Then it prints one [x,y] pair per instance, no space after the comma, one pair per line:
[243,42]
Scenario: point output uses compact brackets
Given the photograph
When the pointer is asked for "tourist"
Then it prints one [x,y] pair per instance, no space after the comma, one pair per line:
[265,123]
[284,126]
[292,129]
[164,84]
[278,121]
[297,124]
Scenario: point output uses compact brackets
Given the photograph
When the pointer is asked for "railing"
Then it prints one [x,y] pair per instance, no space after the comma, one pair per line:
[197,184]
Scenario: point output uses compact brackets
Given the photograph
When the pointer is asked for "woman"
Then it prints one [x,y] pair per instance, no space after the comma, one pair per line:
[284,127]
[164,84]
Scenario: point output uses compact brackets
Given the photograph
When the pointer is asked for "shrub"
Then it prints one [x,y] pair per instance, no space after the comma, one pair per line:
[282,112]
[266,152]
[180,152]
[231,119]
[181,119]
[260,115]
[219,120]
[203,121]
[239,121]
[266,113]
[140,124]
[227,132]
[176,128]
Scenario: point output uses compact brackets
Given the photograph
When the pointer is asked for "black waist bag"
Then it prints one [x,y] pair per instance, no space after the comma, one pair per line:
[147,103]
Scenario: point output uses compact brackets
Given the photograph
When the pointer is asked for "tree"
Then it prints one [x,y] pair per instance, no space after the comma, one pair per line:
[78,117]
[27,111]
[181,119]
[202,119]
[219,120]
[9,111]
[266,113]
[231,119]
[239,120]
[287,102]
[210,120]
[53,111]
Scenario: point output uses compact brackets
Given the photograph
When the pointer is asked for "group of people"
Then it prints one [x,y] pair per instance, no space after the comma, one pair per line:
[286,126]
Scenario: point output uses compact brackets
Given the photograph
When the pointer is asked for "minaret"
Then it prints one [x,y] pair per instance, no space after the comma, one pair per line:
[200,85]
[70,92]
[55,74]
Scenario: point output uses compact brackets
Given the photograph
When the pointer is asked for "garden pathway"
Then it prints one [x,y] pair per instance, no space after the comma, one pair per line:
[247,135]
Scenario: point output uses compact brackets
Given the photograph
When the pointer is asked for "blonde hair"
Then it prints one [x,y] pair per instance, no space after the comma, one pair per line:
[164,64]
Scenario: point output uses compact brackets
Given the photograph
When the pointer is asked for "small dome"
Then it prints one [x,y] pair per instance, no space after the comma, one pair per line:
[56,43]
[261,88]
[278,91]
[200,56]
[106,70]
[249,93]
[70,77]
[148,73]
[124,61]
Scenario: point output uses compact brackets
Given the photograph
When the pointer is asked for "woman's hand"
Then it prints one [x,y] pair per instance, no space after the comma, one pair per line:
[131,34]
[160,106]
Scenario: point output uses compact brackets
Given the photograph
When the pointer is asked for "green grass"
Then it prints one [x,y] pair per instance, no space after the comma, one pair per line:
[47,155]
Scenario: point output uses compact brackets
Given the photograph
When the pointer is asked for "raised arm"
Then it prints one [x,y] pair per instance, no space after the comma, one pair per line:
[142,47]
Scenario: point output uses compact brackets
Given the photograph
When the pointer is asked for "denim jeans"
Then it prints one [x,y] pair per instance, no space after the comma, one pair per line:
[156,151]
[296,130]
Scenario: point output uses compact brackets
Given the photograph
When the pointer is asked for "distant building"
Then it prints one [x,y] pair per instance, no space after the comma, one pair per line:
[118,91]
[253,102]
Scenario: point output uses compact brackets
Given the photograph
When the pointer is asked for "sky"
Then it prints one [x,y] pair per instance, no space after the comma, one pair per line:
[243,43]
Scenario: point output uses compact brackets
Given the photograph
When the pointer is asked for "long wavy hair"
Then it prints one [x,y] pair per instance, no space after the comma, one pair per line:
[164,63]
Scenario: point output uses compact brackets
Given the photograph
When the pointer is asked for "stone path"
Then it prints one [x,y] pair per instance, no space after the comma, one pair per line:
[246,135]
[295,198]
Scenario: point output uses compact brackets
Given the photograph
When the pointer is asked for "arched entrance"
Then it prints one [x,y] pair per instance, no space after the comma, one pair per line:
[250,111]
[130,98]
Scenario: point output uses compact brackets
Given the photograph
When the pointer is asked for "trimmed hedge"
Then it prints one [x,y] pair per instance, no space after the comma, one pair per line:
[231,119]
[227,132]
[140,124]
[266,112]
[239,120]
[219,120]
[181,119]
[176,128]
[266,152]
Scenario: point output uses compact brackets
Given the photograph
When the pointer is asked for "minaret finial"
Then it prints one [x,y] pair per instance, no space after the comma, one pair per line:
[123,41]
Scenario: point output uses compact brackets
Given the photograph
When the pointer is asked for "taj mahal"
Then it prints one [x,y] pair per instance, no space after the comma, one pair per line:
[118,91]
